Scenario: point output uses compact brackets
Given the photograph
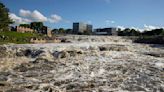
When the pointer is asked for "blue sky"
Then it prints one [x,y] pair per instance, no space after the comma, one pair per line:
[100,13]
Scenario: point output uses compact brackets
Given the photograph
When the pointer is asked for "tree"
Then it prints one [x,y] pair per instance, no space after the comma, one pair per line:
[61,30]
[68,31]
[4,18]
[162,33]
[25,25]
[129,32]
[37,25]
[55,31]
[153,32]
[134,32]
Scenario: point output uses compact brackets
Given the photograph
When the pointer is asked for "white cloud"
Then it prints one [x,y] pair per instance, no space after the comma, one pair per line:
[55,18]
[136,28]
[36,15]
[18,20]
[150,27]
[121,27]
[24,13]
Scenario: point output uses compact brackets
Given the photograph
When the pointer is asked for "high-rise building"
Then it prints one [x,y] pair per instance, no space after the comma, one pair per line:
[81,28]
[89,28]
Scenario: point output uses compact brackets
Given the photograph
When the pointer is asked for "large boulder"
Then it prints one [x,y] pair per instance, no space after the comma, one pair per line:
[62,54]
[3,51]
[23,52]
[28,53]
[113,47]
[66,53]
[4,75]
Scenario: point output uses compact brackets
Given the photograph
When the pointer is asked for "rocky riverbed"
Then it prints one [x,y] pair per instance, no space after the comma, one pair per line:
[85,64]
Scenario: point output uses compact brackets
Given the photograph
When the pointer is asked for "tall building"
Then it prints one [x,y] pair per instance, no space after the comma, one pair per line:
[81,28]
[89,28]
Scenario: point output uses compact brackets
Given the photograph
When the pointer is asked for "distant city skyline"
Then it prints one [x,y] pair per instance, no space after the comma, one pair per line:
[140,14]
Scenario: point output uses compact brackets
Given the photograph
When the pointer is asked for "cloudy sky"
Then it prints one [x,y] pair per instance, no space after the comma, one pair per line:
[101,13]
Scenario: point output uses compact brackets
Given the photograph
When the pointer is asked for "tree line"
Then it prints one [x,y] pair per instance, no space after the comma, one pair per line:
[4,18]
[133,32]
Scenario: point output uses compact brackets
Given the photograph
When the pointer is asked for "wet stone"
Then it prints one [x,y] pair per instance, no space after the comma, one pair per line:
[3,52]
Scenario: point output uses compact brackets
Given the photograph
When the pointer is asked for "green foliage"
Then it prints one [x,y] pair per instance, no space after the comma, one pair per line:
[162,33]
[37,25]
[68,31]
[4,18]
[153,32]
[55,31]
[129,32]
[15,37]
[62,31]
[25,25]
[150,39]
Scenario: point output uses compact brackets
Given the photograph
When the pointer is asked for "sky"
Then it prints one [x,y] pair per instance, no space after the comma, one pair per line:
[100,13]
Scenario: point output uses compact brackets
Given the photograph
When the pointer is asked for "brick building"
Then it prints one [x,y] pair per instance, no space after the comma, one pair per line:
[24,30]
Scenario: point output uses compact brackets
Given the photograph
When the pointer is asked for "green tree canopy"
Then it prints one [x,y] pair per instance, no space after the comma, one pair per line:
[4,17]
[153,32]
[37,25]
[61,30]
[25,25]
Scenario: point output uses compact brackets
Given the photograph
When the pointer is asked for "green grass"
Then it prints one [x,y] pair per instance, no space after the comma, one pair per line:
[15,37]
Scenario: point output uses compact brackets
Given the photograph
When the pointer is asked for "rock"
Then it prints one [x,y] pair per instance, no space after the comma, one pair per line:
[21,53]
[113,47]
[101,48]
[72,53]
[22,68]
[36,53]
[4,86]
[39,60]
[28,53]
[61,54]
[46,55]
[155,54]
[4,76]
[3,52]
[32,87]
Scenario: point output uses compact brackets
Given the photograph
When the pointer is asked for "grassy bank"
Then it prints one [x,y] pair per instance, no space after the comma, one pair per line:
[15,37]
